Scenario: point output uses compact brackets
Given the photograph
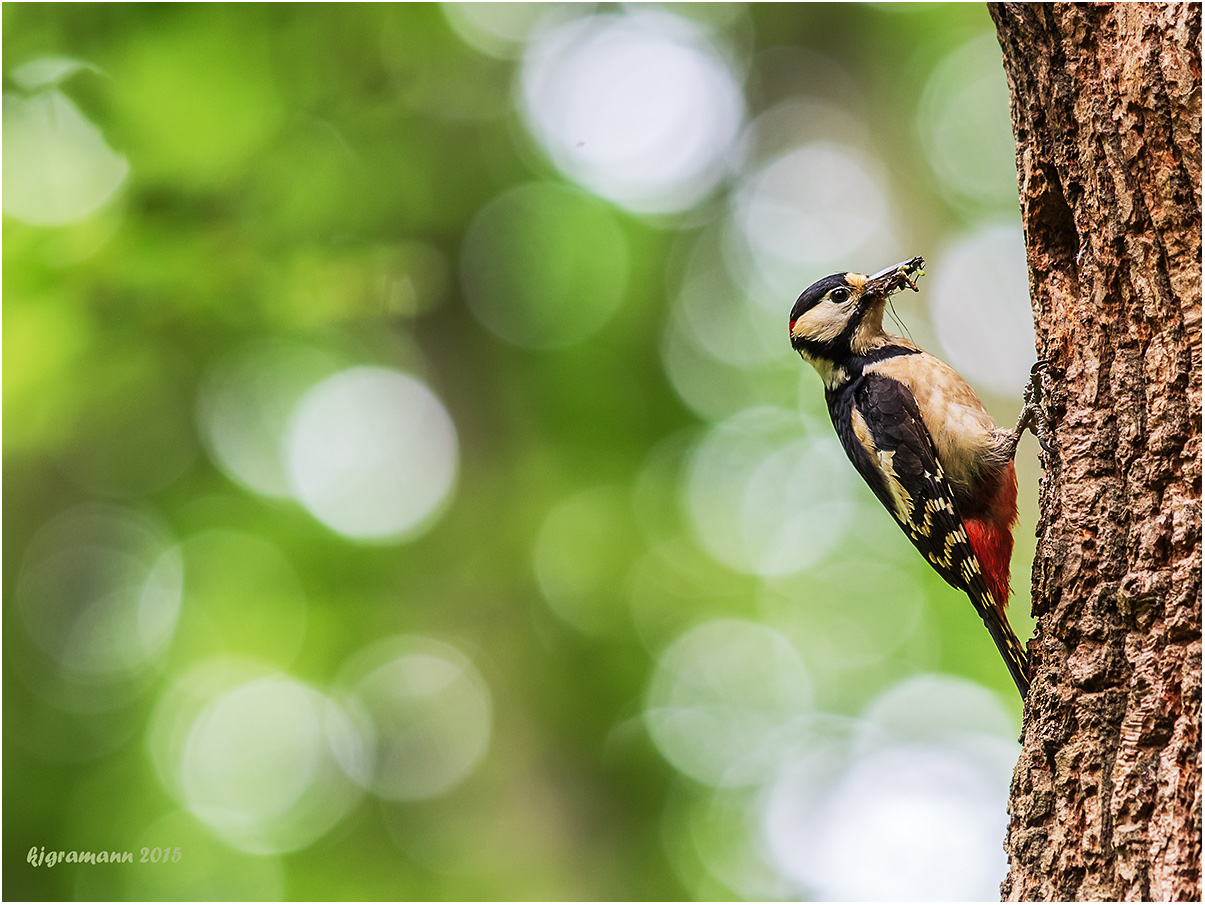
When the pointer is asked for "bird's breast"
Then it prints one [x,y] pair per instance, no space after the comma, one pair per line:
[953,414]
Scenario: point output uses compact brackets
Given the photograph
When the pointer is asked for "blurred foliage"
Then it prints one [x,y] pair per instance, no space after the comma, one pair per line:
[309,173]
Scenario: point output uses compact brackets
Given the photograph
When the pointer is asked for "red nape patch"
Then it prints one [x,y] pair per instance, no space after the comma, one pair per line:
[994,547]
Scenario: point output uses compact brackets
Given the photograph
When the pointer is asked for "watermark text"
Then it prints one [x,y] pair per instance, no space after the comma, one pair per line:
[39,857]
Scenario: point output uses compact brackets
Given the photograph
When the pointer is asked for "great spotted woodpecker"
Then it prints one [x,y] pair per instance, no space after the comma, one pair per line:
[921,439]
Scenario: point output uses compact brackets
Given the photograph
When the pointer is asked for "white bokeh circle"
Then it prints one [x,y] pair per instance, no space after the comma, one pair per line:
[979,303]
[765,496]
[244,406]
[544,265]
[638,108]
[258,757]
[908,803]
[100,591]
[372,453]
[965,127]
[58,168]
[811,210]
[425,712]
[725,699]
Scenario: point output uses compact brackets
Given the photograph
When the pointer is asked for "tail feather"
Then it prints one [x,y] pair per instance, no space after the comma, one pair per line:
[1014,655]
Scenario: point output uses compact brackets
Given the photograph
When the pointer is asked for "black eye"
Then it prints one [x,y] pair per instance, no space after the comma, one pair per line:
[839,295]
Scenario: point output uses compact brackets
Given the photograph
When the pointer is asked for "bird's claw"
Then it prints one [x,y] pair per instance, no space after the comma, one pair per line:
[1032,415]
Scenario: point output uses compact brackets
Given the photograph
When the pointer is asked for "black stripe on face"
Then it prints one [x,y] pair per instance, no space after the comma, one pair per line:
[828,350]
[813,295]
[851,326]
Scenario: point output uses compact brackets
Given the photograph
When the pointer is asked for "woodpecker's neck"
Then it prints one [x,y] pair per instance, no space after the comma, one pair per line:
[840,360]
[868,333]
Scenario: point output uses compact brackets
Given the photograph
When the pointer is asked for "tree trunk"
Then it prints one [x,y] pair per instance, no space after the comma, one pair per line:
[1106,109]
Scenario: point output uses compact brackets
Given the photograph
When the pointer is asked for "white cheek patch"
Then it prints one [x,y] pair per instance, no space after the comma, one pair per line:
[823,322]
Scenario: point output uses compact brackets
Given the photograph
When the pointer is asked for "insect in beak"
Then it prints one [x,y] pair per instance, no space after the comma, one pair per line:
[895,278]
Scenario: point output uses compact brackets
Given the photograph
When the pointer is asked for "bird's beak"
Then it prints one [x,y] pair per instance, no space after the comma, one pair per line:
[895,278]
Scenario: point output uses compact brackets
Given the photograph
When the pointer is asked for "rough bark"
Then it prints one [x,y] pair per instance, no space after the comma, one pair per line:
[1106,109]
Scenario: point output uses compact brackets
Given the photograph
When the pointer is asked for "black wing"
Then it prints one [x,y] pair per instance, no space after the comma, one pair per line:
[881,429]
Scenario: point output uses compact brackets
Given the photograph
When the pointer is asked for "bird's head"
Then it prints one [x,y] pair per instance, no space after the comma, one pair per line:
[841,315]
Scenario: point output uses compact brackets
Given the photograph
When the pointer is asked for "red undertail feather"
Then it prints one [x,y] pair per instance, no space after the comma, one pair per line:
[991,537]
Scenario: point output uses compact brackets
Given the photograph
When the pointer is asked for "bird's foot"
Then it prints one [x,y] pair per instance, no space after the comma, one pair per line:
[1033,416]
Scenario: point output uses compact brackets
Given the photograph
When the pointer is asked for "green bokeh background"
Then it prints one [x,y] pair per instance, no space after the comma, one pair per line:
[286,163]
